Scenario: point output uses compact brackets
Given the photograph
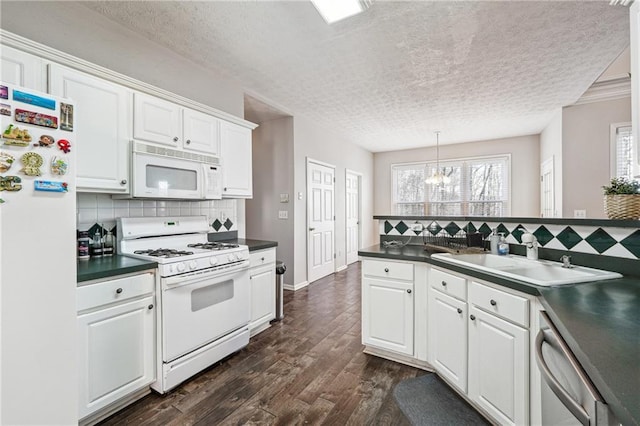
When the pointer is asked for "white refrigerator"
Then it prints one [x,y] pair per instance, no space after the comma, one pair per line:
[38,331]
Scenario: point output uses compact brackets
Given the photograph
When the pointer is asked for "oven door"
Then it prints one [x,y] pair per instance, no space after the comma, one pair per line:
[202,307]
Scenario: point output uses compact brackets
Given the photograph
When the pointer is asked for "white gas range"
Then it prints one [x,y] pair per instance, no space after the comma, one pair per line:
[203,292]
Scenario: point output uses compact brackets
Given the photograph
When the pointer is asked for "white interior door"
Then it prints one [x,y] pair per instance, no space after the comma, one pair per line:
[352,204]
[547,193]
[320,220]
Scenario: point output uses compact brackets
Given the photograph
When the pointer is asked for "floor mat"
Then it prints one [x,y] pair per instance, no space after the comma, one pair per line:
[427,400]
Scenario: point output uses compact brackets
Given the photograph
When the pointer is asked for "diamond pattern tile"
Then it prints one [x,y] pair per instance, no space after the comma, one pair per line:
[517,233]
[543,235]
[632,243]
[387,227]
[470,229]
[228,224]
[600,240]
[503,230]
[568,237]
[485,229]
[434,228]
[402,227]
[452,228]
[216,225]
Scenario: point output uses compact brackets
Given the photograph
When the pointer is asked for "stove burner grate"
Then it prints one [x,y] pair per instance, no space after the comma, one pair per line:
[213,246]
[163,252]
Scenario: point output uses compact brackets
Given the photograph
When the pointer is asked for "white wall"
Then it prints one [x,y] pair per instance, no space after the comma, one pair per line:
[551,147]
[88,35]
[525,160]
[586,152]
[273,174]
[322,144]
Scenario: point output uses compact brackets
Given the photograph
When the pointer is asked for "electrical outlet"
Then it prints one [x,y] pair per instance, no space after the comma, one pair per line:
[283,214]
[580,214]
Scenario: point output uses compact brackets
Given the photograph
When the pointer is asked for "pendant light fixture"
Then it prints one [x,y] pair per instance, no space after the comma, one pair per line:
[438,178]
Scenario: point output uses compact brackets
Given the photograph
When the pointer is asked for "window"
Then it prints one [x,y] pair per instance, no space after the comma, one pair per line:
[622,151]
[477,187]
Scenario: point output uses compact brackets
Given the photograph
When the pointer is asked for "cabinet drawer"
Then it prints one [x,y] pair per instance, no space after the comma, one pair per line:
[500,303]
[386,269]
[449,284]
[262,257]
[106,292]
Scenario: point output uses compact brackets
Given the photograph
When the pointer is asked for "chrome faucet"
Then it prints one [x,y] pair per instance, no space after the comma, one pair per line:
[566,261]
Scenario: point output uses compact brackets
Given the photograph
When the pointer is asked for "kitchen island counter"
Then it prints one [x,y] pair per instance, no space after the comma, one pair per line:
[110,266]
[600,321]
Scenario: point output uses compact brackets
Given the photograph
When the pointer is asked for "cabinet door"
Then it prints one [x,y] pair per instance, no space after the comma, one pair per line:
[102,131]
[116,353]
[22,69]
[157,120]
[263,295]
[499,367]
[387,315]
[448,337]
[201,132]
[236,161]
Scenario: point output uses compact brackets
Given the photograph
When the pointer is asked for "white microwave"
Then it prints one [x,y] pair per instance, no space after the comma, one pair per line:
[159,172]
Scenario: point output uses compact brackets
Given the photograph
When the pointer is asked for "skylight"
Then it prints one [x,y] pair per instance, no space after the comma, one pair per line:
[336,10]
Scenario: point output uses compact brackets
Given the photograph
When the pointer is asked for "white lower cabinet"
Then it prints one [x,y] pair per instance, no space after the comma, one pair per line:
[116,340]
[448,337]
[499,367]
[388,306]
[263,289]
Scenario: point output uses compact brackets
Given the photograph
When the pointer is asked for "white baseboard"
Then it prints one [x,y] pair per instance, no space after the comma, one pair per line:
[295,287]
[341,268]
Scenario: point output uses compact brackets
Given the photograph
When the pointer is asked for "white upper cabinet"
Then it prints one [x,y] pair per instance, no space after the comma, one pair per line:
[237,181]
[22,69]
[102,140]
[159,121]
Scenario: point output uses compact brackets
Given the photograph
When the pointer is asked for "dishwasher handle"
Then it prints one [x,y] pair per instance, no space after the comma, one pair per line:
[567,400]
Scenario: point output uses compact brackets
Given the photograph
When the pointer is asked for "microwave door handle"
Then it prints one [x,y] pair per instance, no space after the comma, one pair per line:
[572,405]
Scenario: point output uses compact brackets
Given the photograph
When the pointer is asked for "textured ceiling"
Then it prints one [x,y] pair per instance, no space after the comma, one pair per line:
[388,78]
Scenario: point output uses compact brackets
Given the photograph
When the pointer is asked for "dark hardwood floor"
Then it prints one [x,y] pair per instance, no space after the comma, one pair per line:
[307,369]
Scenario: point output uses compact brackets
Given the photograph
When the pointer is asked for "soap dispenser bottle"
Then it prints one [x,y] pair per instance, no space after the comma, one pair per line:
[494,240]
[503,246]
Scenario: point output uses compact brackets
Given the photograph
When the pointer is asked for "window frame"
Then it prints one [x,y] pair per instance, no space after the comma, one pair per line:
[613,149]
[465,192]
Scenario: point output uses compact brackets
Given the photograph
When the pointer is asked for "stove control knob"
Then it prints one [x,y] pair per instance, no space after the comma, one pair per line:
[240,255]
[180,266]
[213,260]
[193,264]
[172,269]
[230,257]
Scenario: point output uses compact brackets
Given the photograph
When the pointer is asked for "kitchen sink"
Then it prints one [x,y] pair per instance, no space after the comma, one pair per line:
[538,272]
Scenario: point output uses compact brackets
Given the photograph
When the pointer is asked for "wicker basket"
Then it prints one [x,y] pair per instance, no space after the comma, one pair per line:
[622,206]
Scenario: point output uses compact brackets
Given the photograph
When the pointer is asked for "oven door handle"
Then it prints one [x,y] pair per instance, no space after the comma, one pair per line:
[219,275]
[552,337]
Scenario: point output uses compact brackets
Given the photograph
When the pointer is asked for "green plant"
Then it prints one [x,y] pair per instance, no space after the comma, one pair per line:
[622,186]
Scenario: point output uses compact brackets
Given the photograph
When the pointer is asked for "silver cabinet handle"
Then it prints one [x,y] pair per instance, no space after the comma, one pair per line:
[472,317]
[175,139]
[262,258]
[188,141]
[386,269]
[123,182]
[493,302]
[119,291]
[312,229]
[409,290]
[150,307]
[444,283]
[459,310]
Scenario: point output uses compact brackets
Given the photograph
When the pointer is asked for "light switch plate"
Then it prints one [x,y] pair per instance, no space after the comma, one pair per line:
[283,214]
[580,214]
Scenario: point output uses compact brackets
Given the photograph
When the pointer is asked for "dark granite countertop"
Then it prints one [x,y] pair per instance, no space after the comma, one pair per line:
[110,266]
[600,322]
[256,244]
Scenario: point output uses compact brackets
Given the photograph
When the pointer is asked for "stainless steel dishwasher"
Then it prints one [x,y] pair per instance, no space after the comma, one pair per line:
[568,396]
